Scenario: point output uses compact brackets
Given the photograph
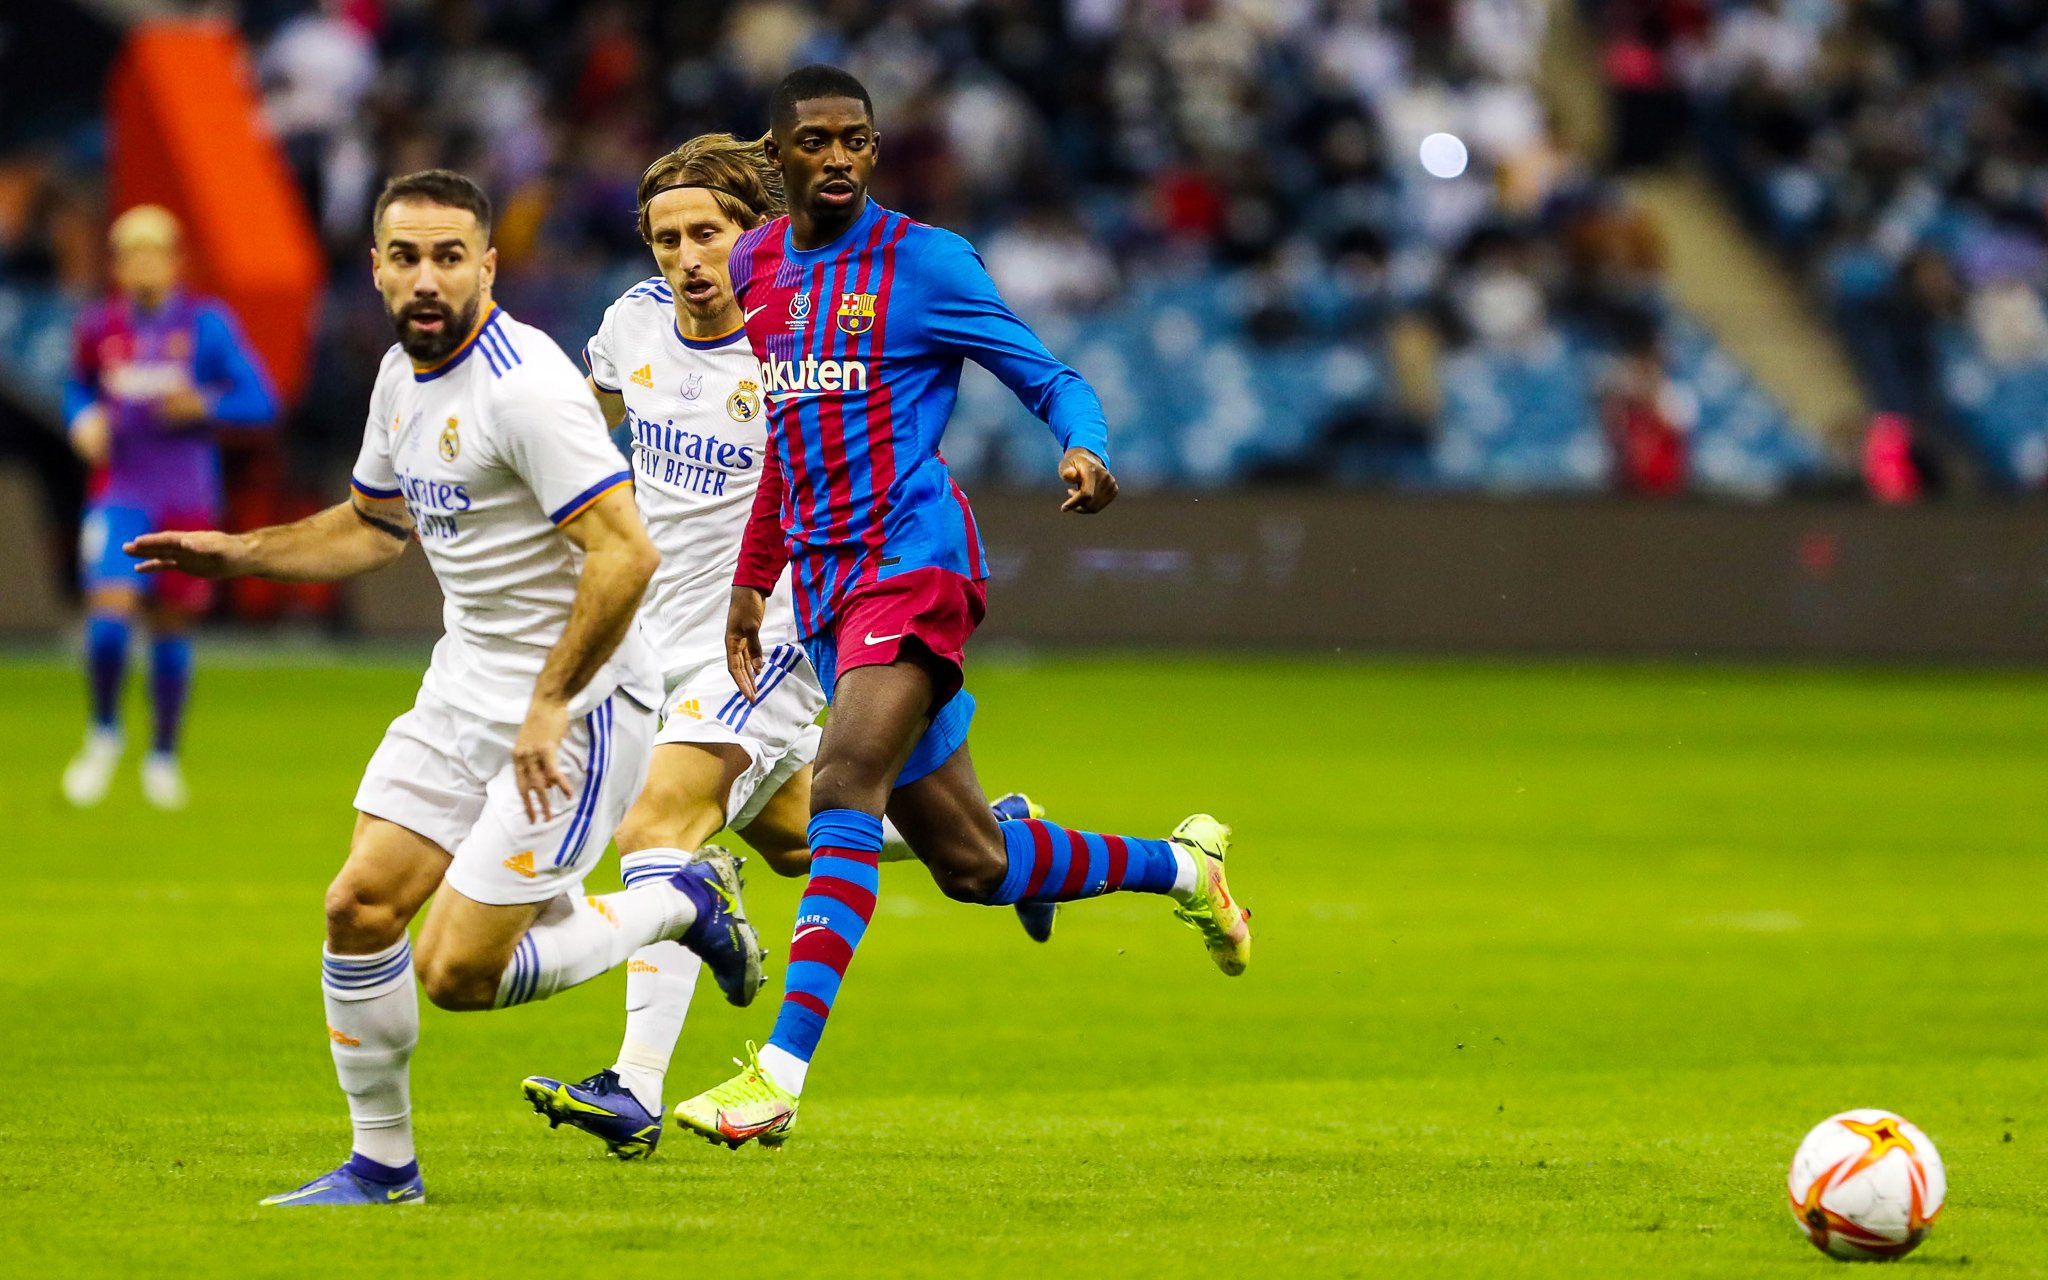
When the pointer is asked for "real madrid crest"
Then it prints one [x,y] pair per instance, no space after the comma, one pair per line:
[856,312]
[451,444]
[744,405]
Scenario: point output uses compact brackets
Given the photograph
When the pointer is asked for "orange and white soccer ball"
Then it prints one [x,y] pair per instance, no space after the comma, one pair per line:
[1867,1184]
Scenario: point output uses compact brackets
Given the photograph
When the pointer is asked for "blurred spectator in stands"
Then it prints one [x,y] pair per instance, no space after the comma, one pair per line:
[2010,324]
[1494,293]
[1759,43]
[1613,264]
[317,70]
[49,227]
[1044,261]
[1646,416]
[1889,471]
[1648,49]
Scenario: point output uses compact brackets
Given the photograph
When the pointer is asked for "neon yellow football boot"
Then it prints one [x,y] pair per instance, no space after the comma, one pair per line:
[750,1107]
[1224,924]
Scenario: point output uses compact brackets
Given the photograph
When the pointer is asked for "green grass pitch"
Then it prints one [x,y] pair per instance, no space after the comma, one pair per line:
[1555,966]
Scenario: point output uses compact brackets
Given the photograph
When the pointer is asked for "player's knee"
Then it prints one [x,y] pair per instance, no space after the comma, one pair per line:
[969,875]
[455,983]
[636,833]
[361,920]
[787,860]
[855,782]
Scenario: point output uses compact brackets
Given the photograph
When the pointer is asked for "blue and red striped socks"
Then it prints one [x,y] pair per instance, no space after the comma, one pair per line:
[831,919]
[1050,863]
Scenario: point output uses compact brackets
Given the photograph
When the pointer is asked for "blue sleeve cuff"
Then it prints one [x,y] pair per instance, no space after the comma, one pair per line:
[1095,444]
[582,502]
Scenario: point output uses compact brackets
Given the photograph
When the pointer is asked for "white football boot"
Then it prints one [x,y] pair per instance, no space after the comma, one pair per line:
[163,781]
[91,771]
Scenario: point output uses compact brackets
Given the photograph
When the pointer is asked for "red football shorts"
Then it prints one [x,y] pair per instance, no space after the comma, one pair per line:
[937,608]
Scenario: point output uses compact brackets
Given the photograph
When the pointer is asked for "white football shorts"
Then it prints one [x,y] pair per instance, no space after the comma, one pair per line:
[779,731]
[447,775]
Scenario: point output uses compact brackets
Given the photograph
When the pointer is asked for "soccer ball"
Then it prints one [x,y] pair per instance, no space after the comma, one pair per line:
[1866,1184]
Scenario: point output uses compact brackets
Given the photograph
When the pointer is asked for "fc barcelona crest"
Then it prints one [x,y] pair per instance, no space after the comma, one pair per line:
[451,444]
[856,312]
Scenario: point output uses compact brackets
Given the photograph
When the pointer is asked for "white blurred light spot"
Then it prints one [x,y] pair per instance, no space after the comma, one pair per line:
[1443,155]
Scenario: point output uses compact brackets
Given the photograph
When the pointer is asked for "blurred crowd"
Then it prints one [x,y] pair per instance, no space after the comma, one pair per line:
[1084,145]
[1896,148]
[1100,150]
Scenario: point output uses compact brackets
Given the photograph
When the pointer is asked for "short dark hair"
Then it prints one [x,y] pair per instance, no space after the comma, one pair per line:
[434,186]
[814,81]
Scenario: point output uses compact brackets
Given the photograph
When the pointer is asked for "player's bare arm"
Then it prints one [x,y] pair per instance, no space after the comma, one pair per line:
[610,403]
[1090,486]
[345,540]
[618,561]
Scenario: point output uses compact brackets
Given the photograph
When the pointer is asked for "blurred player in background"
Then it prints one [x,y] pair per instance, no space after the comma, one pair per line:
[671,361]
[497,792]
[861,319]
[154,370]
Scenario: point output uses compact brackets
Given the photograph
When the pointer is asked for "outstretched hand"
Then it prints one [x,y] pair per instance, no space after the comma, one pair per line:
[1090,487]
[743,638]
[203,553]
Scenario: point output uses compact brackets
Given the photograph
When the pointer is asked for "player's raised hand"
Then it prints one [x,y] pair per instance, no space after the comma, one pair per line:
[203,553]
[743,638]
[537,757]
[1090,487]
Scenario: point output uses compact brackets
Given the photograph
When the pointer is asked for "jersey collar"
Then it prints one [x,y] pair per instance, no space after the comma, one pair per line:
[427,373]
[738,333]
[869,215]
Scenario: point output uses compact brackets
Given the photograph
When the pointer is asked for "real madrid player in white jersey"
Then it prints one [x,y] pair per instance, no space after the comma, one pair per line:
[671,362]
[496,793]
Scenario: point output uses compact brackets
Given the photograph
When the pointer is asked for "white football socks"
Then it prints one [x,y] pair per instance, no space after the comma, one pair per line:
[373,1022]
[579,937]
[784,1068]
[1186,874]
[660,979]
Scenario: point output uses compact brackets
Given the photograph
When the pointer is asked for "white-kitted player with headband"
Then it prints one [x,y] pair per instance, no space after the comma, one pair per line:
[497,792]
[672,363]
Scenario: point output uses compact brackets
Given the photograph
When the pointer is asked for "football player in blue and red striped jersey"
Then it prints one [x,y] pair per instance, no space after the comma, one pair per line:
[155,371]
[861,318]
